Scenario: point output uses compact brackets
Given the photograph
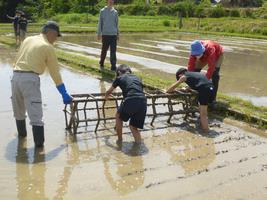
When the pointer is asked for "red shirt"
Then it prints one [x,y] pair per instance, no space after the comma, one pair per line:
[211,54]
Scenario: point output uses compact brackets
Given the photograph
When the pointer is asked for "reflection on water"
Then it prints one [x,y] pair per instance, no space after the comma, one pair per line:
[30,178]
[194,154]
[125,173]
[30,168]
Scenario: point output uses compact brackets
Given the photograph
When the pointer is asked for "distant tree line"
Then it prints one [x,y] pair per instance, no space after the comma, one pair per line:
[36,9]
[242,3]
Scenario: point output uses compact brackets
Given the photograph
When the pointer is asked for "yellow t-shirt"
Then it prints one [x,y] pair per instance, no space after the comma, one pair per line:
[36,54]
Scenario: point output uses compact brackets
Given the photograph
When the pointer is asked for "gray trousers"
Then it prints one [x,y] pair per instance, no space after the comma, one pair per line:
[26,97]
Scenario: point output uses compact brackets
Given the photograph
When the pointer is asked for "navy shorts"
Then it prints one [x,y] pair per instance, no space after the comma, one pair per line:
[205,95]
[135,110]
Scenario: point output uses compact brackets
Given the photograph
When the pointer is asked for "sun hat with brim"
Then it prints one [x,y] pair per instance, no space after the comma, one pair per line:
[52,25]
[197,48]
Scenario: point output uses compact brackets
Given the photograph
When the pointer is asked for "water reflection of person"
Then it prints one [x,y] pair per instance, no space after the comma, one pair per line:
[194,154]
[129,168]
[30,173]
[130,172]
[74,157]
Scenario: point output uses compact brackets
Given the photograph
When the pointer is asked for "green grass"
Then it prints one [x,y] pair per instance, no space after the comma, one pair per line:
[7,41]
[242,27]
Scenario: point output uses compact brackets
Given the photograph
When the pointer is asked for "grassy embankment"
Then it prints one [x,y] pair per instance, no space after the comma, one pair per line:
[243,27]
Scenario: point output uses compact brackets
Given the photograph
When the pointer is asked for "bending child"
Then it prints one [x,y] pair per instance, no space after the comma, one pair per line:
[134,104]
[199,82]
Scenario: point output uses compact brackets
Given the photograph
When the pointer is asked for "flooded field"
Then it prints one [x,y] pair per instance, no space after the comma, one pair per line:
[243,71]
[173,162]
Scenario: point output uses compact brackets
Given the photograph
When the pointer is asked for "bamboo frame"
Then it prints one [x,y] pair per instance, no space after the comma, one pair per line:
[76,113]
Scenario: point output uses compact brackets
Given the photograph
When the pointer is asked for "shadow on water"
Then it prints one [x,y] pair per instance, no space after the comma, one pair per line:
[17,151]
[127,166]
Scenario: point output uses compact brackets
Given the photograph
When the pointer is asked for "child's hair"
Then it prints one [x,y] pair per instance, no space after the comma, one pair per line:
[180,72]
[123,69]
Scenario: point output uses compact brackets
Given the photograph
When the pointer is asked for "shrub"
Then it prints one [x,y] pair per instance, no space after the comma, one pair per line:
[166,23]
[217,12]
[181,8]
[151,12]
[137,9]
[164,10]
[73,18]
[264,31]
[234,13]
[247,12]
[120,9]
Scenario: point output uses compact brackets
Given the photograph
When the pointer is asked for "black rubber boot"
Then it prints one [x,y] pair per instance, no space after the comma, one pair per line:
[21,128]
[38,135]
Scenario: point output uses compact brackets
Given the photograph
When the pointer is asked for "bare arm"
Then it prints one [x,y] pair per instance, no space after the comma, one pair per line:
[108,92]
[176,84]
[10,17]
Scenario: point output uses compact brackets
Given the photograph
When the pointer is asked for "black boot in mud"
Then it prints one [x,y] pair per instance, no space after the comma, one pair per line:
[21,128]
[38,136]
[113,68]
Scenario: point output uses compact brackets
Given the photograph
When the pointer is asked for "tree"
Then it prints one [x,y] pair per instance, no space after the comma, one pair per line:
[242,3]
[8,7]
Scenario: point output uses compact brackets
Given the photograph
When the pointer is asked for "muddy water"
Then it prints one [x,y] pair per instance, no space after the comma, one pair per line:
[243,71]
[173,163]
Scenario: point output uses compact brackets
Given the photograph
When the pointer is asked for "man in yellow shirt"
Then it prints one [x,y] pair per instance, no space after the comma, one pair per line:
[35,55]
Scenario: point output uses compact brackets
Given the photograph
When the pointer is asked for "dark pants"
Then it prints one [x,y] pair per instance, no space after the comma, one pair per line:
[215,80]
[109,41]
[215,76]
[135,110]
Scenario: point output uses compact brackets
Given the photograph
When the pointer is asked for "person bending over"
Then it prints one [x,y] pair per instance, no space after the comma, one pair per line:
[134,103]
[207,52]
[199,82]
